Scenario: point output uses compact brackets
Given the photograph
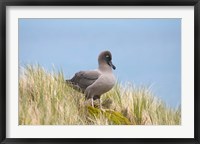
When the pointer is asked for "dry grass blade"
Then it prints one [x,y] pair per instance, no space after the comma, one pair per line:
[45,99]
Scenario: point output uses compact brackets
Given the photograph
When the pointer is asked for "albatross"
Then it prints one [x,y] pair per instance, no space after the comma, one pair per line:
[94,83]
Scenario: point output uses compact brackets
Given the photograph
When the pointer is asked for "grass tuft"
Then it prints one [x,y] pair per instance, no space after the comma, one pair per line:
[45,99]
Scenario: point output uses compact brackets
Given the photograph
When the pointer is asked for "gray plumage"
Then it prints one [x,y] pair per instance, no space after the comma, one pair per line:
[97,82]
[83,79]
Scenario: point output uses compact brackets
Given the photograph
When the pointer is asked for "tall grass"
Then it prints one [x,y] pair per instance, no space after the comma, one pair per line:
[45,99]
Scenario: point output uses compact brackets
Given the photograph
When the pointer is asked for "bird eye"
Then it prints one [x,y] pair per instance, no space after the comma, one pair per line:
[107,56]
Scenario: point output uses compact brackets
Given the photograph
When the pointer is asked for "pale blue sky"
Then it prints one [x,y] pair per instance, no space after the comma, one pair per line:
[145,51]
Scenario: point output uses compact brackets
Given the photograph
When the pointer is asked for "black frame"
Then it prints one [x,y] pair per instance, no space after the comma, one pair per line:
[4,3]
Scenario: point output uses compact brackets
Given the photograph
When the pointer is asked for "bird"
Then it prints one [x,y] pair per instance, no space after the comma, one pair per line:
[94,83]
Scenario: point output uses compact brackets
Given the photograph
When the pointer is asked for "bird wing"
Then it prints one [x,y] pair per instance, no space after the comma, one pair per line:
[83,79]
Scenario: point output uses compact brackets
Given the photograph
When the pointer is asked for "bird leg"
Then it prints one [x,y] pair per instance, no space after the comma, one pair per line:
[100,106]
[92,102]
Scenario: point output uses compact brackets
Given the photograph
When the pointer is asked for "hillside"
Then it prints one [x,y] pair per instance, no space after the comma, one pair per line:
[45,99]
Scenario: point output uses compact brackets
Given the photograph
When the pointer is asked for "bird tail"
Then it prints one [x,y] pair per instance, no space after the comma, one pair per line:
[68,81]
[73,85]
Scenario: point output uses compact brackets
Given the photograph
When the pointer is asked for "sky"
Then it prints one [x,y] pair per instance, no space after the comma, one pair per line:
[145,51]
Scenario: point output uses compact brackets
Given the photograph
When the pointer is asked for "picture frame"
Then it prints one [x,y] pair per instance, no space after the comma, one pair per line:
[3,83]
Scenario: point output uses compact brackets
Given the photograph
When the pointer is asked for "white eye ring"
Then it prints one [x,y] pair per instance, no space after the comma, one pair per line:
[107,56]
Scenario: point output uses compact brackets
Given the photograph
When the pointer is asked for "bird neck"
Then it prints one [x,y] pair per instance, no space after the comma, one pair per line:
[105,67]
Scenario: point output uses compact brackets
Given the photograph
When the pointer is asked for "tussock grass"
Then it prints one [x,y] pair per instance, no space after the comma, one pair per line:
[45,99]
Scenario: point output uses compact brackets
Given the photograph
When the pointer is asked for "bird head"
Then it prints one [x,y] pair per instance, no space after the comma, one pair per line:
[105,59]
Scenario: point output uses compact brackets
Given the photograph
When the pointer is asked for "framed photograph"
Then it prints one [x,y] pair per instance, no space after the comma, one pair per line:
[99,71]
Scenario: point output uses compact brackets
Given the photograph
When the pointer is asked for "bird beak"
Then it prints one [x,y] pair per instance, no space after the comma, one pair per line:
[111,64]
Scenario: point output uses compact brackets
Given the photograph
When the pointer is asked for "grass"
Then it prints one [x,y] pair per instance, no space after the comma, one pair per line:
[45,99]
